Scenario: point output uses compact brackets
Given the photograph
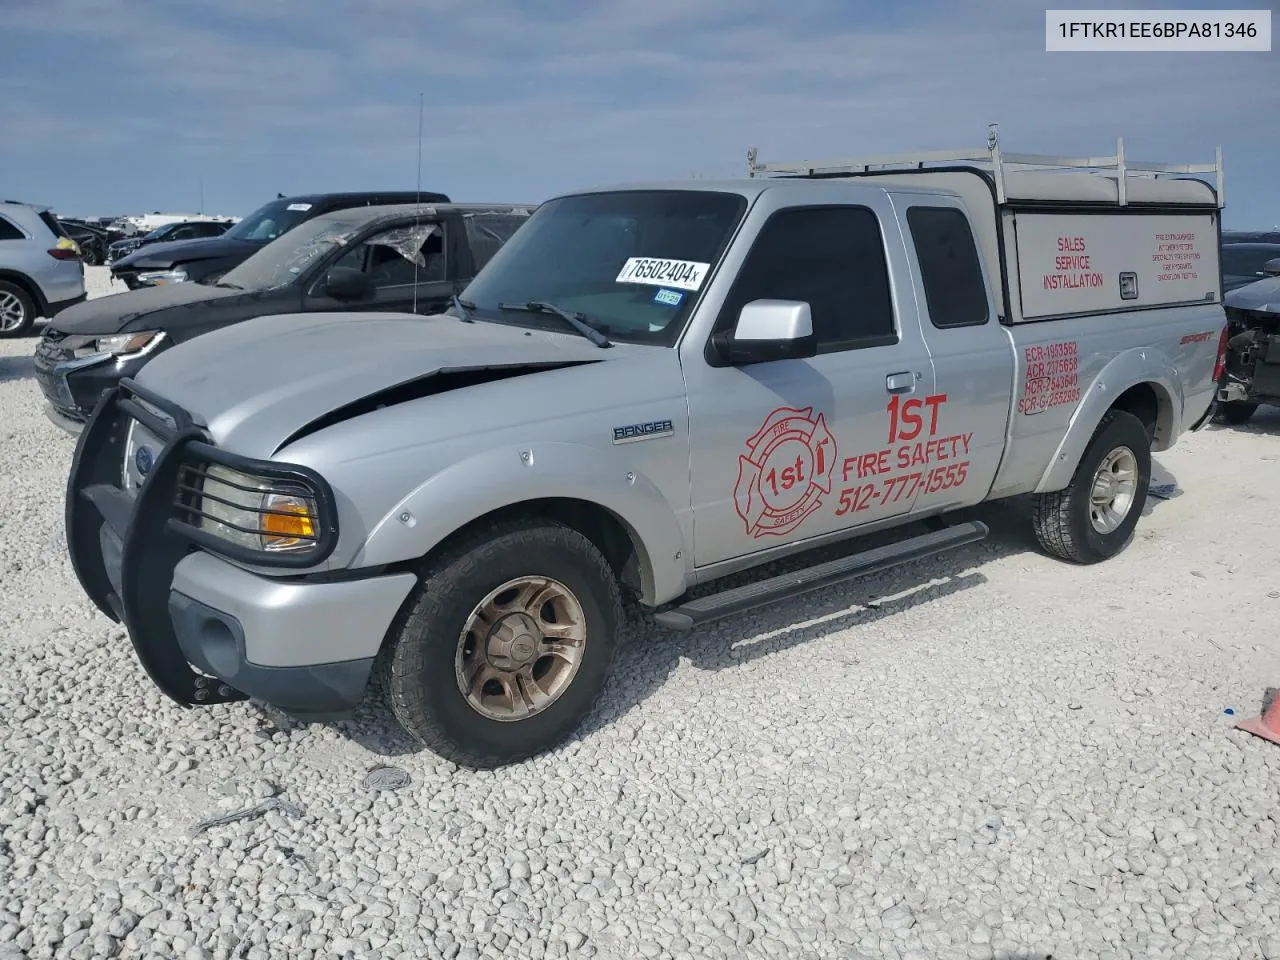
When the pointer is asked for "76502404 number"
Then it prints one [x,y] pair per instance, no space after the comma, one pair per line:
[861,497]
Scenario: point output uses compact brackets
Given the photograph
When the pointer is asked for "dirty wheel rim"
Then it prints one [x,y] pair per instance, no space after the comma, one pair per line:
[1115,485]
[520,648]
[12,312]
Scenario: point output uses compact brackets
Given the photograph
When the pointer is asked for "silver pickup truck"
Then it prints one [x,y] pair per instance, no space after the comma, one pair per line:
[647,388]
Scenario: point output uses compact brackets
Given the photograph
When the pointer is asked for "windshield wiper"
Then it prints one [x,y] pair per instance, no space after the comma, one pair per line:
[464,308]
[576,320]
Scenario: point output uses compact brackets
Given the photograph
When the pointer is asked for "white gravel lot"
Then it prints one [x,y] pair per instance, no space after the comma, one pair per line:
[991,754]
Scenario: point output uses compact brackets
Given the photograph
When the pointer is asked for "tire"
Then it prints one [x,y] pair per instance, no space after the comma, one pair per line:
[89,254]
[1065,521]
[426,654]
[1236,412]
[17,310]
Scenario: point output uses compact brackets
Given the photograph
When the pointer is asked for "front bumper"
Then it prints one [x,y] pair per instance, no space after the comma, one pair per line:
[72,385]
[304,645]
[128,276]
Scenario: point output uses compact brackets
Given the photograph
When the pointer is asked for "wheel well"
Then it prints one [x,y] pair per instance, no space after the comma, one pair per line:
[610,534]
[30,288]
[1151,407]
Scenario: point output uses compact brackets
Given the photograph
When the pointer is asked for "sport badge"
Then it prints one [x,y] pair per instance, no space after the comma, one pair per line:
[785,472]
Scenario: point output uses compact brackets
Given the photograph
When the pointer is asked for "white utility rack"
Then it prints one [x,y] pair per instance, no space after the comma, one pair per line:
[993,161]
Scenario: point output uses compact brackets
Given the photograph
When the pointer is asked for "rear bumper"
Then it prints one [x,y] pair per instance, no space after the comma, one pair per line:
[302,645]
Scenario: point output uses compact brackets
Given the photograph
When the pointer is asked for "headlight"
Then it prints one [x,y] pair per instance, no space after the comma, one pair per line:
[129,344]
[158,278]
[275,516]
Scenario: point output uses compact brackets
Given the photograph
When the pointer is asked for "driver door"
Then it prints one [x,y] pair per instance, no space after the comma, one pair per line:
[796,449]
[407,265]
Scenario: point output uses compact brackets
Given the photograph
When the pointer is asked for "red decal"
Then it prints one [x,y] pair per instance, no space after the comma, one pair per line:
[1197,337]
[785,473]
[1051,378]
[914,442]
[1071,267]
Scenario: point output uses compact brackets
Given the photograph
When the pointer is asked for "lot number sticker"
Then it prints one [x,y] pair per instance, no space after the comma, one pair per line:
[655,272]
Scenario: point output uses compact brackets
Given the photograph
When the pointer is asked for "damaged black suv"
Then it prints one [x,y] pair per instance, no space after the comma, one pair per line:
[404,258]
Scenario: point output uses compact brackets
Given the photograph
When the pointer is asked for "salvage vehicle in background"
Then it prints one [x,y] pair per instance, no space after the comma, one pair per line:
[92,241]
[205,261]
[165,233]
[41,273]
[1245,263]
[646,389]
[395,258]
[1253,351]
[1251,236]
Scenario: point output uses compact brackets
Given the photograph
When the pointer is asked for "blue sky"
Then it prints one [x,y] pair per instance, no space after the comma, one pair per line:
[121,106]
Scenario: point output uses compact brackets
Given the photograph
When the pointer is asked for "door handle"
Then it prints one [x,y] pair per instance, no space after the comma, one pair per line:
[903,382]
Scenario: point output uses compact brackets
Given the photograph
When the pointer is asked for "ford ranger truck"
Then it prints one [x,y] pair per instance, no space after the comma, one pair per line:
[647,388]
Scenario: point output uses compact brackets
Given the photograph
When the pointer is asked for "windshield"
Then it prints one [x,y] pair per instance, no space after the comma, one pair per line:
[160,232]
[270,221]
[280,262]
[1238,261]
[630,262]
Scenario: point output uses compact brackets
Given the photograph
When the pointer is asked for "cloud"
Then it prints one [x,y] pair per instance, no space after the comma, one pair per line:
[523,99]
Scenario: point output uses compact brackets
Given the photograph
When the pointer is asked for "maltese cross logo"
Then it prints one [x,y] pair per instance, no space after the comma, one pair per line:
[785,472]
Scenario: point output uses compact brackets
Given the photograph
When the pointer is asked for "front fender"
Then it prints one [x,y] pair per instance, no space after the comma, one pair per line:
[496,479]
[1128,369]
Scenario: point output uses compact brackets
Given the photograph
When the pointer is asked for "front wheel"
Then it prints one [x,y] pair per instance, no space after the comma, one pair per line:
[1093,518]
[505,644]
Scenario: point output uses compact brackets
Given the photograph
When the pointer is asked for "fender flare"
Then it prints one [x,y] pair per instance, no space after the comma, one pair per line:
[502,478]
[1127,370]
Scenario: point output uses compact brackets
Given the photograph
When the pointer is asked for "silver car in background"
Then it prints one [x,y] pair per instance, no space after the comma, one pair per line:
[41,271]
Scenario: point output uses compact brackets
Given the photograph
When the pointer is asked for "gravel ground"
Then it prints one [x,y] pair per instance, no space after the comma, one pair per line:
[988,754]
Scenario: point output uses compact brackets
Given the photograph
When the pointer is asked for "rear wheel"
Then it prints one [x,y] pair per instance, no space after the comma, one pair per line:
[1236,412]
[17,310]
[505,644]
[1094,517]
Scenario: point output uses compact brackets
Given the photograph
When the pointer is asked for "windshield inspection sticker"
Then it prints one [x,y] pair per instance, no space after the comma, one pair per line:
[684,274]
[298,206]
[669,298]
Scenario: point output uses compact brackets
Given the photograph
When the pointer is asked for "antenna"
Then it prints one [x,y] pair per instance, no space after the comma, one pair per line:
[418,201]
[202,196]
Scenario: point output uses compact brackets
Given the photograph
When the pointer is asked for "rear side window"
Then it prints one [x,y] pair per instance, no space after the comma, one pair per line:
[9,232]
[50,221]
[833,259]
[487,232]
[949,267]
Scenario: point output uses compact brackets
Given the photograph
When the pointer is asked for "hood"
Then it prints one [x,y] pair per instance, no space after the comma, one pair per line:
[256,384]
[161,256]
[1262,296]
[110,314]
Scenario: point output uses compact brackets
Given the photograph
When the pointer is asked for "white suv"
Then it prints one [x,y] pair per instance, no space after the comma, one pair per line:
[41,271]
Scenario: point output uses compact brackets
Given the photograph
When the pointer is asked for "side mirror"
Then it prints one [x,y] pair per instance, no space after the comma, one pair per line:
[1271,268]
[347,284]
[769,330]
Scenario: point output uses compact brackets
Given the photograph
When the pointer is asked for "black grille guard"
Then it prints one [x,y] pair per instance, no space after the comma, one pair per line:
[151,547]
